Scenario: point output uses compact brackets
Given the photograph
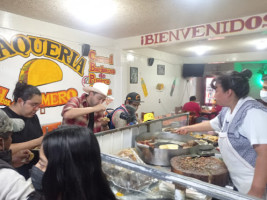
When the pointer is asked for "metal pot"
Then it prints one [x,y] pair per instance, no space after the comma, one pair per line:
[162,157]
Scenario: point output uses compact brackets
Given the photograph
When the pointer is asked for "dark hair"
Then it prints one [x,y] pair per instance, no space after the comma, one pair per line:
[192,98]
[25,91]
[74,166]
[237,81]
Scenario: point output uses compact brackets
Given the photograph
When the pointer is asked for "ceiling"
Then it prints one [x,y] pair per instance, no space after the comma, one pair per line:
[138,17]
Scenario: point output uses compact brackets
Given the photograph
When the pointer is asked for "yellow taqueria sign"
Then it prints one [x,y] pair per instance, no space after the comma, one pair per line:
[24,45]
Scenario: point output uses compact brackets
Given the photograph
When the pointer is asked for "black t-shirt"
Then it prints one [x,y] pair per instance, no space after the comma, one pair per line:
[32,130]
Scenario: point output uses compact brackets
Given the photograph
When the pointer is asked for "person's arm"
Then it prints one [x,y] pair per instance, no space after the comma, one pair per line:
[76,112]
[259,182]
[203,126]
[31,144]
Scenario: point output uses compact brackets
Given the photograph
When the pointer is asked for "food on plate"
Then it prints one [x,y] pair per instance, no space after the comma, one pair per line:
[208,169]
[40,72]
[168,146]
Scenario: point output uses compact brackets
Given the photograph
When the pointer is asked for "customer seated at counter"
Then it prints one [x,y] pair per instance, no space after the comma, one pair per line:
[242,132]
[125,114]
[70,167]
[193,107]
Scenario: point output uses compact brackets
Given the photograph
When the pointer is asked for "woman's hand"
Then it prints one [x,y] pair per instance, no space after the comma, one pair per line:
[183,130]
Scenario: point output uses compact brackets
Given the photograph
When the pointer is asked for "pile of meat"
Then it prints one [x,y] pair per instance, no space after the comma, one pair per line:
[208,169]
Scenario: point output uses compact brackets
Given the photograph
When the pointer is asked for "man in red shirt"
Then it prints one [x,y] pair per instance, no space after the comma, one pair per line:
[192,106]
[88,110]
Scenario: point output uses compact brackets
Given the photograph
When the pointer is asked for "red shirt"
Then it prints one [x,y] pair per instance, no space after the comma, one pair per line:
[80,102]
[192,106]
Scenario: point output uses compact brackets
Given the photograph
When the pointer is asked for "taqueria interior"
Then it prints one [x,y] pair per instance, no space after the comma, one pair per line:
[147,160]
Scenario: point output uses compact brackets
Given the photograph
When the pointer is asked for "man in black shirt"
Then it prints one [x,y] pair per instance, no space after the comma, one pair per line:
[27,100]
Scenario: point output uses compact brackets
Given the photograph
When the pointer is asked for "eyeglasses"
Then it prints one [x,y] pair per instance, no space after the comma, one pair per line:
[33,105]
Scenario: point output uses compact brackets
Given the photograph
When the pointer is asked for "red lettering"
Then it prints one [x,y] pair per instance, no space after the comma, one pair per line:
[162,37]
[156,38]
[196,31]
[211,28]
[264,19]
[187,32]
[149,39]
[224,27]
[92,66]
[171,34]
[92,54]
[234,25]
[253,22]
[91,78]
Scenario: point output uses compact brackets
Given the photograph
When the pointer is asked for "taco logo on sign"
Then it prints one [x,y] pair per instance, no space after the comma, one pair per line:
[40,72]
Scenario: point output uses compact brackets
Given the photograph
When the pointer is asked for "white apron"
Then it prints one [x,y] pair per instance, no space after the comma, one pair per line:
[241,172]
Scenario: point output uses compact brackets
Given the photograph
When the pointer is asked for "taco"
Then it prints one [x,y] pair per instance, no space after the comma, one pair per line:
[40,72]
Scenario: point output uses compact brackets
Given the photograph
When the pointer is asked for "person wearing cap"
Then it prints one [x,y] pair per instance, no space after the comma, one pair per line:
[26,102]
[13,185]
[88,110]
[126,113]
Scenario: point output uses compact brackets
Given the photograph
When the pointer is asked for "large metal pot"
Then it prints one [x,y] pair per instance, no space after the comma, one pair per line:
[162,157]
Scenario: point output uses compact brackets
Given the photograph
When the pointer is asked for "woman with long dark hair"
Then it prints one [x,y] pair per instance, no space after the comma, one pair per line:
[242,132]
[70,166]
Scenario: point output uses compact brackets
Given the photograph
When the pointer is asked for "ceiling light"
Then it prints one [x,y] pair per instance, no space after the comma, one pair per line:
[130,57]
[91,11]
[261,44]
[200,50]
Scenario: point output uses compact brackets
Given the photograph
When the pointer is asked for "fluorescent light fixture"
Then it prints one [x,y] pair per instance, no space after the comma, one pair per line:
[261,44]
[200,50]
[91,12]
[130,57]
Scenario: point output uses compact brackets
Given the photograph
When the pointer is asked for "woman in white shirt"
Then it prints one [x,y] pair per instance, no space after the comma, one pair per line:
[242,132]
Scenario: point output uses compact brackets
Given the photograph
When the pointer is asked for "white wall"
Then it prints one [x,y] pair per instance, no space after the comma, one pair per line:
[160,102]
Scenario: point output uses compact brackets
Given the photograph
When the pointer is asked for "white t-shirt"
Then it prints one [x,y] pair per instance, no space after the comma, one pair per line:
[254,126]
[13,186]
